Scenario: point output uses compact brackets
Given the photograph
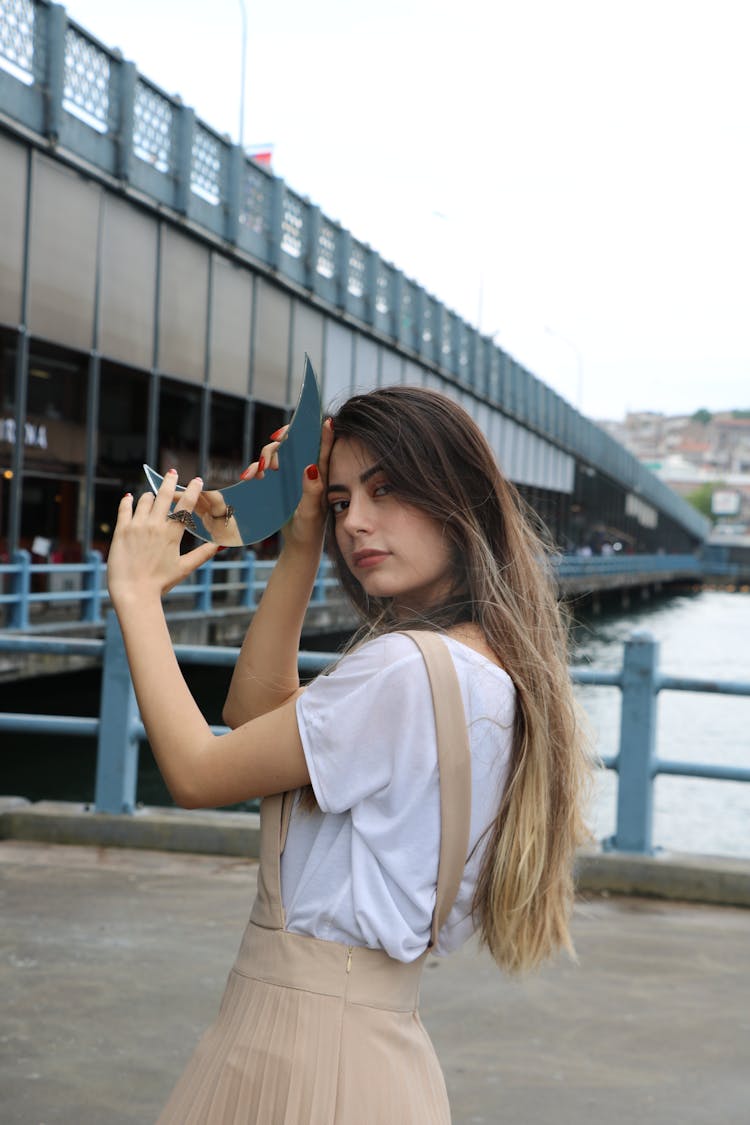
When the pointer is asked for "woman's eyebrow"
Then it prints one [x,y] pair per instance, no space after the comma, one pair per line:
[363,479]
[365,476]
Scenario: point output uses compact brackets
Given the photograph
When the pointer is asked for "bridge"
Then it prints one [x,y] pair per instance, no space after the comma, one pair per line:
[158,290]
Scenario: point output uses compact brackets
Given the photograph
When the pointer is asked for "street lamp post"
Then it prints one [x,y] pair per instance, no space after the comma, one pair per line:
[579,363]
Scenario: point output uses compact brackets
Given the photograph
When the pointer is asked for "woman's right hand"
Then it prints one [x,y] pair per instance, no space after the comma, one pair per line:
[305,530]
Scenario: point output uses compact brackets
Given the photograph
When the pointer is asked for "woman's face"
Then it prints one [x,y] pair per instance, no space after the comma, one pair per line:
[392,549]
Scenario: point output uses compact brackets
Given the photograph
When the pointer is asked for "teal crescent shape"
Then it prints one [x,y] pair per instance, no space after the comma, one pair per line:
[249,511]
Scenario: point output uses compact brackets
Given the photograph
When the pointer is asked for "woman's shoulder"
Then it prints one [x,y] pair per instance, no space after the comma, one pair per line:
[396,652]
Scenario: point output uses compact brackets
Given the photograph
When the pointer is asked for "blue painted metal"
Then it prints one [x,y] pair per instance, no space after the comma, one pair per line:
[203,588]
[119,727]
[683,683]
[49,724]
[92,587]
[117,749]
[248,578]
[636,764]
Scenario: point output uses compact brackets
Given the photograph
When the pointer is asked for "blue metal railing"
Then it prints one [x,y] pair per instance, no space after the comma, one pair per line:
[119,730]
[81,587]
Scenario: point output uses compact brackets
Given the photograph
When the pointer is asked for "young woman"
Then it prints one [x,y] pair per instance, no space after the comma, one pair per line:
[429,786]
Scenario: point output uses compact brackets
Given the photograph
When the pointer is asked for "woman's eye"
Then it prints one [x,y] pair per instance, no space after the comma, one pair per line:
[382,490]
[338,506]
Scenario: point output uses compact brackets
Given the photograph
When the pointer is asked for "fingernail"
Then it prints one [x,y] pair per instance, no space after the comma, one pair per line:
[245,474]
[171,471]
[312,472]
[220,549]
[277,434]
[261,464]
[330,423]
[128,496]
[200,480]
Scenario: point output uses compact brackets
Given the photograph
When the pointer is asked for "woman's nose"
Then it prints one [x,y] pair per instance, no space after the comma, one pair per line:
[358,515]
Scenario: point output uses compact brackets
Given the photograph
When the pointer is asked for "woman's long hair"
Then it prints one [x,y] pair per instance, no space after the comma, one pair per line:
[436,458]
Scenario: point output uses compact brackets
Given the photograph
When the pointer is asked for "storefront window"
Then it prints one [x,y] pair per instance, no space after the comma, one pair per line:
[121,444]
[227,426]
[179,428]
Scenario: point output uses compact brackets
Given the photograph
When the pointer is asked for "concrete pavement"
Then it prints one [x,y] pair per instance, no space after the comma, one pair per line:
[113,960]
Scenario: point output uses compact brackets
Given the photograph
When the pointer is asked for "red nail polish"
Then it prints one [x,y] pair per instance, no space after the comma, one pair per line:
[261,464]
[220,549]
[312,472]
[244,475]
[171,470]
[277,434]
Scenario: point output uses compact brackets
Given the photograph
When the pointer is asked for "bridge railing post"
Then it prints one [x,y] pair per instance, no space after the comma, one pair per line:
[204,577]
[247,594]
[92,585]
[319,587]
[636,759]
[117,748]
[20,586]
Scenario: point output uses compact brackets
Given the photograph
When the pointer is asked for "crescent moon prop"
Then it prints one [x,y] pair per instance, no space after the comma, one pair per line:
[251,510]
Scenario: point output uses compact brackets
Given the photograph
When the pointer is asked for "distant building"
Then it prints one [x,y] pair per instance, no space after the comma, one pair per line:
[686,452]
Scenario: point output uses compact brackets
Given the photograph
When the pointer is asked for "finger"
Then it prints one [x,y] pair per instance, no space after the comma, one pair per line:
[191,560]
[125,510]
[326,445]
[165,495]
[251,471]
[312,491]
[268,456]
[189,498]
[143,507]
[280,434]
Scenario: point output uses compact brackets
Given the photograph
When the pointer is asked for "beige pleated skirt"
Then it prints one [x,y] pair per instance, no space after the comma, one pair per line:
[313,1032]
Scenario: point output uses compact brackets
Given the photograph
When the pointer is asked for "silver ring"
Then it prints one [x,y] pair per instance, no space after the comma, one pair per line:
[183,516]
[228,515]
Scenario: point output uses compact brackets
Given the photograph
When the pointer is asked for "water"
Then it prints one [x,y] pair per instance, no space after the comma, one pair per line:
[705,635]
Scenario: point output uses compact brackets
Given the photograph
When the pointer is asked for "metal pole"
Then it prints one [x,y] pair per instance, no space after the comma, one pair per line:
[117,751]
[579,363]
[243,72]
[636,762]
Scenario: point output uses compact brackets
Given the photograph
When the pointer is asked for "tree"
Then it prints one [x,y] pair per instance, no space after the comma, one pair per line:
[701,497]
[703,416]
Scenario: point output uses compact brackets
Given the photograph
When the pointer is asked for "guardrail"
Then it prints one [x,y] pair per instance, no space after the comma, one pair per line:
[119,730]
[82,587]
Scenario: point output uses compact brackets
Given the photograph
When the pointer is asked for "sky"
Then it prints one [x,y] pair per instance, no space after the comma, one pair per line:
[572,176]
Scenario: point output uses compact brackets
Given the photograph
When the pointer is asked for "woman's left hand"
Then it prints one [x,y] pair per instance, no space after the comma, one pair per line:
[144,559]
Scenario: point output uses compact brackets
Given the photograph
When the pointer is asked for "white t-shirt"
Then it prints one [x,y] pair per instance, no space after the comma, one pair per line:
[363,869]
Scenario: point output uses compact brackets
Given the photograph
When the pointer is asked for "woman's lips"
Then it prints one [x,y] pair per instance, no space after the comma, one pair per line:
[364,559]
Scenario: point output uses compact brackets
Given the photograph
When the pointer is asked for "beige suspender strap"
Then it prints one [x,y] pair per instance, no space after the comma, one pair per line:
[286,816]
[268,910]
[454,768]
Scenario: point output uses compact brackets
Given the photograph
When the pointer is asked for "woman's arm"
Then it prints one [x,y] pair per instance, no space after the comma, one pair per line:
[266,672]
[200,769]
